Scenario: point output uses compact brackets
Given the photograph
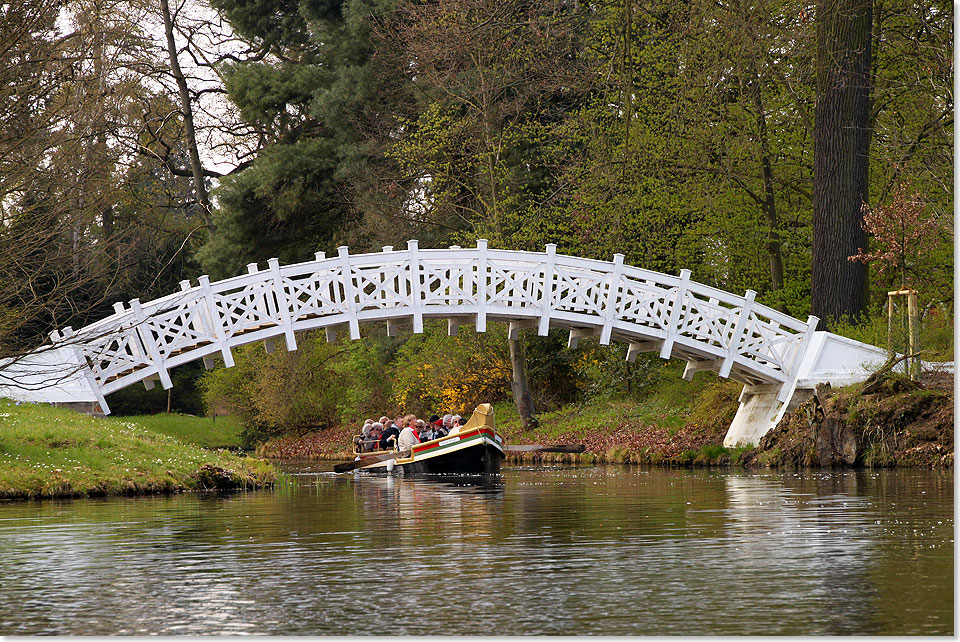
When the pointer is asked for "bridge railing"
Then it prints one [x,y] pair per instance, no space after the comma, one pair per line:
[713,329]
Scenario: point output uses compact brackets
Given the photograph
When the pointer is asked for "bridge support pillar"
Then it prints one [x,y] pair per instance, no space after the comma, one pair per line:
[581,333]
[636,348]
[759,413]
[694,367]
[514,328]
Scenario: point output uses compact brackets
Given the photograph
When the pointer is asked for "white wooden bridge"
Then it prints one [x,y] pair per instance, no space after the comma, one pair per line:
[772,354]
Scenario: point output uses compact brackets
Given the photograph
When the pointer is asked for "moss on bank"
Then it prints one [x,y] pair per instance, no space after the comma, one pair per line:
[54,452]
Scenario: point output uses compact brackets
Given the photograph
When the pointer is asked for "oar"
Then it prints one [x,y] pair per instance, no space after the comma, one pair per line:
[537,448]
[366,461]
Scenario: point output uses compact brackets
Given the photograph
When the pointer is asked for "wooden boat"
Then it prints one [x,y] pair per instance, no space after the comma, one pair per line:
[474,448]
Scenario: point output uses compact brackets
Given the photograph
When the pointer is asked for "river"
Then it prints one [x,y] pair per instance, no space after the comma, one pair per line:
[555,550]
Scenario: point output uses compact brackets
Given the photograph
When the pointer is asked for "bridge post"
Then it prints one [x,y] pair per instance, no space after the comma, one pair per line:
[213,321]
[146,337]
[135,345]
[737,333]
[413,246]
[83,364]
[481,285]
[346,274]
[786,391]
[611,305]
[383,290]
[667,348]
[546,299]
[283,304]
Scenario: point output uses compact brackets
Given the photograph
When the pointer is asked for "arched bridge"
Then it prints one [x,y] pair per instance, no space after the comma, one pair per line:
[672,315]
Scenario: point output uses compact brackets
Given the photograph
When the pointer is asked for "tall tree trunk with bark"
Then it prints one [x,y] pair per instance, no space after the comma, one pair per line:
[841,148]
[520,388]
[186,109]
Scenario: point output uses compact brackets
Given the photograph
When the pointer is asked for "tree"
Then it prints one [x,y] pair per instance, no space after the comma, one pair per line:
[841,146]
[904,236]
[308,92]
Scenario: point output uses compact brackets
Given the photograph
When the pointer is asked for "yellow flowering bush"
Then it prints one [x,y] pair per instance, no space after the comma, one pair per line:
[433,372]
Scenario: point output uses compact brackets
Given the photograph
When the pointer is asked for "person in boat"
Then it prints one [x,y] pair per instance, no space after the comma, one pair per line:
[372,440]
[447,422]
[364,434]
[433,426]
[425,431]
[410,435]
[389,437]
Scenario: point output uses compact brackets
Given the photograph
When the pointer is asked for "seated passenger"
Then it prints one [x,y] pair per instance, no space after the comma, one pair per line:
[389,437]
[447,423]
[372,440]
[410,435]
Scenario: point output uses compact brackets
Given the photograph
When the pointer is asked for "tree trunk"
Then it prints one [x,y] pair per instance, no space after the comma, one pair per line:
[520,388]
[841,139]
[186,109]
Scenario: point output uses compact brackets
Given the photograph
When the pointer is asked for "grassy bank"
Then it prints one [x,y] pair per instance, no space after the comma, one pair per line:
[206,432]
[54,452]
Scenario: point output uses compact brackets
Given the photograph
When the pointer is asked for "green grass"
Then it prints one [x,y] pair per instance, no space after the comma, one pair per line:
[671,404]
[54,452]
[206,432]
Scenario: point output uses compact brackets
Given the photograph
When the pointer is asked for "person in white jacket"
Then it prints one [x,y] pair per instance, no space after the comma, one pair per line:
[408,436]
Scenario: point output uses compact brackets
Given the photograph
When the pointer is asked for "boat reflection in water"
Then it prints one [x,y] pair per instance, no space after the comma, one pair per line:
[450,508]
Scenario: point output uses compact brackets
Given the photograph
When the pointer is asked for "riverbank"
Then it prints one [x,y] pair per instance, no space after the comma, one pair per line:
[50,452]
[888,421]
[679,423]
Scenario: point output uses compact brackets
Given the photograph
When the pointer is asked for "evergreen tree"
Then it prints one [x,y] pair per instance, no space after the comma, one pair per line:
[308,91]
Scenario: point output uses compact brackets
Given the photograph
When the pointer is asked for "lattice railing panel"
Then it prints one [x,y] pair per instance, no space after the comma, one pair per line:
[115,355]
[382,286]
[317,294]
[644,304]
[514,285]
[177,329]
[449,285]
[245,309]
[579,291]
[767,343]
[707,321]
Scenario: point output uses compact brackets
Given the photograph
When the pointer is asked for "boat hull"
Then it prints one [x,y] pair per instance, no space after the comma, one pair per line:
[477,460]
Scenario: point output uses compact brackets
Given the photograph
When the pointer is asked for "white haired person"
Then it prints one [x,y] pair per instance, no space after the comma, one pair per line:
[372,439]
[364,433]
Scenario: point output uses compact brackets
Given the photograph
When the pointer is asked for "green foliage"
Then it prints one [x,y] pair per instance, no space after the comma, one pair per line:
[290,191]
[935,332]
[206,432]
[293,391]
[185,397]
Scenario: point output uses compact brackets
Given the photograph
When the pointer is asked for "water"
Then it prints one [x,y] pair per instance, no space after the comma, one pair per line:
[601,550]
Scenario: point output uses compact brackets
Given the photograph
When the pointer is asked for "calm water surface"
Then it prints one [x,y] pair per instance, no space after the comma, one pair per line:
[601,550]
